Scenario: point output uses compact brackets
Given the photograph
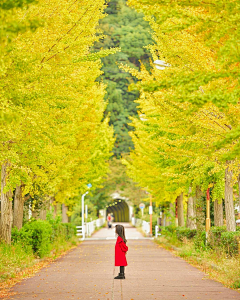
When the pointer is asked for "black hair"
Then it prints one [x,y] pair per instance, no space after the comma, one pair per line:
[121,232]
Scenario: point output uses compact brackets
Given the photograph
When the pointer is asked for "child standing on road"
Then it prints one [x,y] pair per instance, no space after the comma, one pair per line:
[120,251]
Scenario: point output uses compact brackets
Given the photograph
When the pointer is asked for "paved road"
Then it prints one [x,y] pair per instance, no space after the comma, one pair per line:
[153,273]
[105,233]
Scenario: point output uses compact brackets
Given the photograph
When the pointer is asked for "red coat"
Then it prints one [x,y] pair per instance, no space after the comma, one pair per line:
[120,252]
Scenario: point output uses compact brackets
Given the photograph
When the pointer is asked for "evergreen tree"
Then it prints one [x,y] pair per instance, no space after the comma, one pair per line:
[124,28]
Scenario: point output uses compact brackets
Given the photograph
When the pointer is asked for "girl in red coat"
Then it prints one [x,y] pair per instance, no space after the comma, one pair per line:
[120,251]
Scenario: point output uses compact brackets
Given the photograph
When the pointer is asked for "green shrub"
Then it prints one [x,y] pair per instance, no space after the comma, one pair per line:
[40,235]
[214,238]
[58,230]
[171,228]
[219,238]
[168,230]
[230,241]
[185,232]
[70,230]
[64,230]
[200,240]
[218,229]
[154,223]
[36,234]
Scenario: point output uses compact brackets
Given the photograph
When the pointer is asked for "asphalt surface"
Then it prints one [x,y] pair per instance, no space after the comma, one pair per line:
[153,273]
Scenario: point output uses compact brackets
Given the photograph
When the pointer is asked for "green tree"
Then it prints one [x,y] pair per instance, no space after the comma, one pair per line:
[118,181]
[125,28]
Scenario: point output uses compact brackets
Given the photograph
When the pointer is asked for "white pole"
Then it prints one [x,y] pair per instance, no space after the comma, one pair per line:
[29,211]
[83,227]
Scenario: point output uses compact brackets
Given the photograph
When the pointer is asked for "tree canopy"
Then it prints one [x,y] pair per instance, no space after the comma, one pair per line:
[124,28]
[188,132]
[54,137]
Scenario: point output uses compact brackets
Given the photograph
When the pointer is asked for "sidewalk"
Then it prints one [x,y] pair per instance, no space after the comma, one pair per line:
[153,273]
[106,233]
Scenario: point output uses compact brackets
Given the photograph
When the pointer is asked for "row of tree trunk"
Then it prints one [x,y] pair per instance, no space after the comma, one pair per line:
[6,207]
[194,214]
[12,215]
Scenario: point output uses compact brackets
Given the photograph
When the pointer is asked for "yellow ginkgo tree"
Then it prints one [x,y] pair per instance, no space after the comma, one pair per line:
[54,138]
[188,133]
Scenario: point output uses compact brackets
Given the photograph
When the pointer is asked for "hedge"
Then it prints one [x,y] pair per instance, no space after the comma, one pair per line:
[200,240]
[214,238]
[168,230]
[185,233]
[39,235]
[218,238]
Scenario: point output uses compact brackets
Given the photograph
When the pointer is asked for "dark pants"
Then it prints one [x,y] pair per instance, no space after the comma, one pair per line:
[122,270]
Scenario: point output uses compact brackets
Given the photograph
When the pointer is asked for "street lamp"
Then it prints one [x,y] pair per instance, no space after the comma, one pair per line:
[89,185]
[161,64]
[142,117]
[83,227]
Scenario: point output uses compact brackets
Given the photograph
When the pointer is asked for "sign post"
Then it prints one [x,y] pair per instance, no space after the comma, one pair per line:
[142,206]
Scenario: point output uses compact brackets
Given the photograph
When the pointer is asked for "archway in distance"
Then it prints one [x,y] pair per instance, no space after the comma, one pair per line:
[120,210]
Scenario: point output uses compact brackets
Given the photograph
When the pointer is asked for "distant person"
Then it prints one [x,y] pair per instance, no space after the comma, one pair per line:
[109,221]
[120,251]
[112,217]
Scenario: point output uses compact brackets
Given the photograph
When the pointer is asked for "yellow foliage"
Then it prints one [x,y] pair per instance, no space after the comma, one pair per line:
[53,129]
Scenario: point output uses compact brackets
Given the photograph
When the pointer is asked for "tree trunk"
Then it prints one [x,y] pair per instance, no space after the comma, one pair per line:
[6,207]
[180,210]
[191,214]
[64,213]
[200,217]
[46,206]
[54,205]
[43,214]
[18,207]
[218,213]
[35,214]
[171,213]
[229,207]
[55,211]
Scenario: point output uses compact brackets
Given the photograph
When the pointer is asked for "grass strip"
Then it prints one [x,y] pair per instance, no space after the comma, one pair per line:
[217,265]
[18,262]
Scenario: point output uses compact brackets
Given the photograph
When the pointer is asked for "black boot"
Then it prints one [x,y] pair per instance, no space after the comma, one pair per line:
[120,276]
